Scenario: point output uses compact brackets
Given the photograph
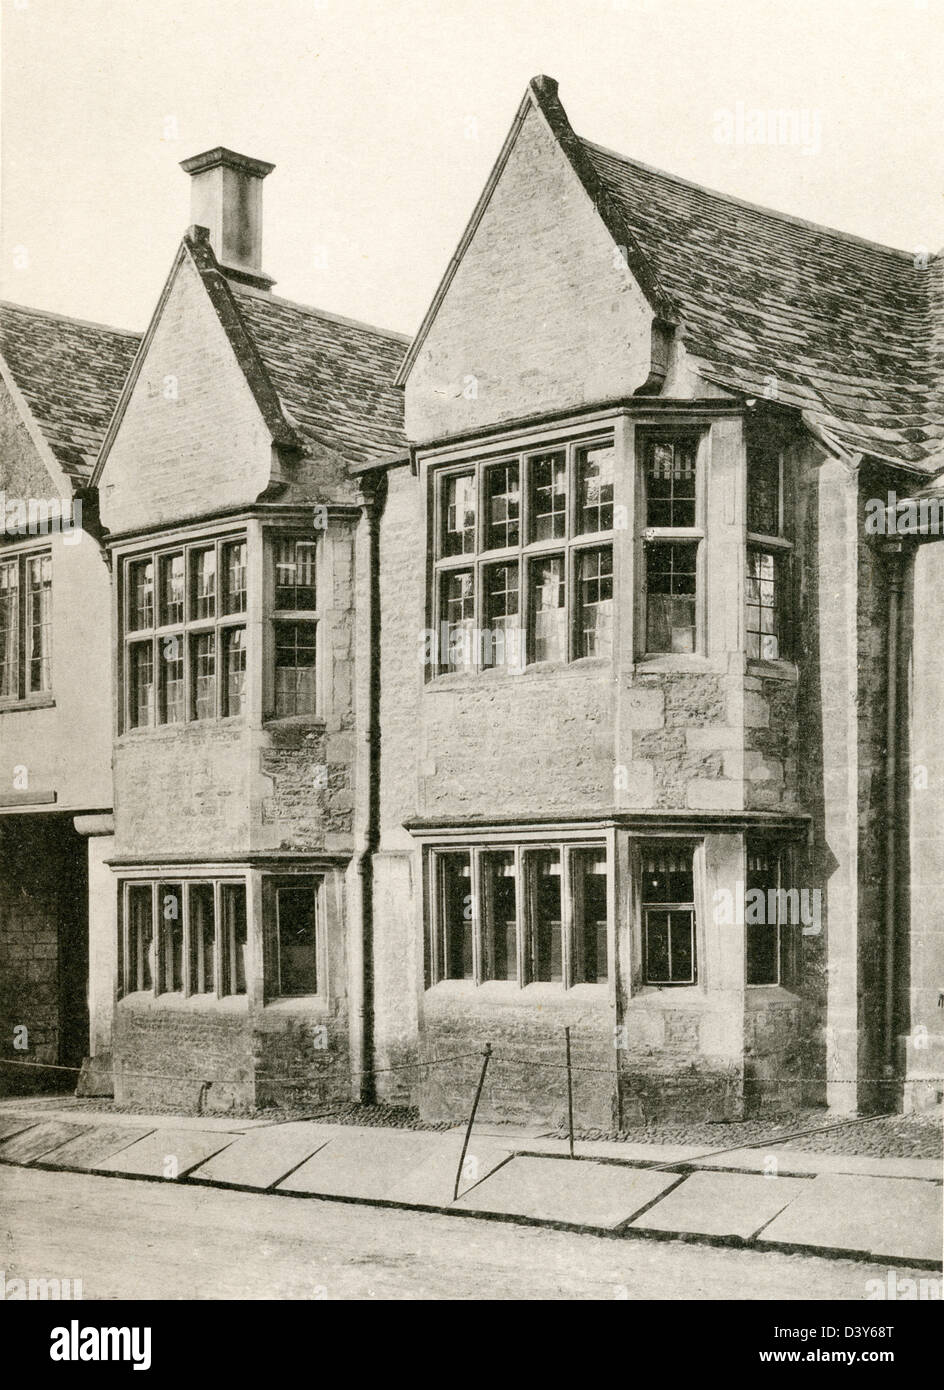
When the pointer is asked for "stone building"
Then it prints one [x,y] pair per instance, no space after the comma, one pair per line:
[541,672]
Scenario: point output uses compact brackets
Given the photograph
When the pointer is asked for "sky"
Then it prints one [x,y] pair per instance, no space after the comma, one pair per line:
[384,117]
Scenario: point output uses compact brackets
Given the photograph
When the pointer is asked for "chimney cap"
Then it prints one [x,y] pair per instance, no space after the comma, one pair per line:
[212,159]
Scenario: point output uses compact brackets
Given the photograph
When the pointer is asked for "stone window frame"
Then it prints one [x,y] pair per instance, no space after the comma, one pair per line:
[128,985]
[569,546]
[475,850]
[694,536]
[787,952]
[273,534]
[21,561]
[780,547]
[188,628]
[271,881]
[638,982]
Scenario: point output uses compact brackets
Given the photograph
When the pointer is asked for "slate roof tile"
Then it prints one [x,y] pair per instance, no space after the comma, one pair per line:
[70,373]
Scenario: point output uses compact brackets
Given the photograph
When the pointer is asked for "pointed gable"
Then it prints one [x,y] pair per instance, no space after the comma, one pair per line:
[194,431]
[541,308]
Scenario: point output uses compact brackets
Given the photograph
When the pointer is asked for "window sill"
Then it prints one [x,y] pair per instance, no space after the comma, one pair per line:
[760,996]
[306,1004]
[536,670]
[773,670]
[43,701]
[508,992]
[192,1003]
[294,721]
[654,663]
[165,733]
[668,996]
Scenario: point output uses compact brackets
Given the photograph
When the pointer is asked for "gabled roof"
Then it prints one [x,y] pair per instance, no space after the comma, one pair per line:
[334,376]
[852,333]
[318,380]
[70,374]
[843,325]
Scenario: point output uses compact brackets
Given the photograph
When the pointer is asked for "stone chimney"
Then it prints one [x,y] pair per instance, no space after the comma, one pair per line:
[226,198]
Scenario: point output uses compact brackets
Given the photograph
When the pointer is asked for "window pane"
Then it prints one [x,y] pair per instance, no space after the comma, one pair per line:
[171,568]
[595,488]
[234,577]
[295,575]
[458,504]
[170,940]
[548,496]
[763,605]
[202,931]
[139,936]
[503,625]
[298,963]
[234,670]
[203,584]
[171,705]
[588,871]
[295,668]
[38,621]
[761,915]
[141,702]
[595,596]
[233,940]
[763,488]
[502,505]
[455,916]
[545,958]
[9,630]
[668,873]
[668,891]
[203,674]
[499,917]
[548,638]
[458,619]
[141,595]
[670,483]
[670,596]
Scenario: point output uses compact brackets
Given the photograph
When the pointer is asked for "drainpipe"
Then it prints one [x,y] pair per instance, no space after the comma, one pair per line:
[896,556]
[363,1059]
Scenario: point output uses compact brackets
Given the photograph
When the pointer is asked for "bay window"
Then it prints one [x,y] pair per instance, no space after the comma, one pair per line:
[184,633]
[183,937]
[525,914]
[523,558]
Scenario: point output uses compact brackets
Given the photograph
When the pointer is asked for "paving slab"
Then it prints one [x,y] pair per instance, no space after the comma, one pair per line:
[582,1193]
[39,1139]
[151,1156]
[721,1204]
[366,1163]
[790,1161]
[897,1218]
[262,1157]
[90,1150]
[432,1182]
[14,1124]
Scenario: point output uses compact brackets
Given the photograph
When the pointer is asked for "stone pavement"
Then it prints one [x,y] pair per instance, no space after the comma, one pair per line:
[870,1208]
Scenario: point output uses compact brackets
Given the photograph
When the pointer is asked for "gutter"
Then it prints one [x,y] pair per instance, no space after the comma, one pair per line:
[895,558]
[362,1058]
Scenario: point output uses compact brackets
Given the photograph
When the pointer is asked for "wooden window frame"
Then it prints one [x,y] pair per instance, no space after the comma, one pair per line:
[295,616]
[184,631]
[787,932]
[272,885]
[21,561]
[693,536]
[522,851]
[781,547]
[694,848]
[154,883]
[569,546]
